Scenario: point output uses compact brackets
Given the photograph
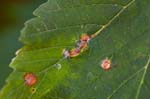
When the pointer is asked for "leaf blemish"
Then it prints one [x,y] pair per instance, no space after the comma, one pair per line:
[33,90]
[58,66]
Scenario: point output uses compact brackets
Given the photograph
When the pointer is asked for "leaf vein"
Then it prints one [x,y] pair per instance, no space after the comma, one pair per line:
[113,18]
[142,79]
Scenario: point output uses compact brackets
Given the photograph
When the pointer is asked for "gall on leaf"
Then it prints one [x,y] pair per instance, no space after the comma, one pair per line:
[82,45]
[106,64]
[30,79]
[66,53]
[85,37]
[74,52]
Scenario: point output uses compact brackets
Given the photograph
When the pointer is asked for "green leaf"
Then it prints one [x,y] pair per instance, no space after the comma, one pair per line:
[122,29]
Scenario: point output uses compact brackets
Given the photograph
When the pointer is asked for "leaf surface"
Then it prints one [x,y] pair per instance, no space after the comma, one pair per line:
[122,33]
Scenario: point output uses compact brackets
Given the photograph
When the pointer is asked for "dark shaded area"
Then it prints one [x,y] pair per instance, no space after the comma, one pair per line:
[13,13]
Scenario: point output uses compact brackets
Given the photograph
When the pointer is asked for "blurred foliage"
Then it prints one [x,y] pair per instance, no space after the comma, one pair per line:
[13,14]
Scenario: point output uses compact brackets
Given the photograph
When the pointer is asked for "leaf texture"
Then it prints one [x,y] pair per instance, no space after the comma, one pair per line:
[122,32]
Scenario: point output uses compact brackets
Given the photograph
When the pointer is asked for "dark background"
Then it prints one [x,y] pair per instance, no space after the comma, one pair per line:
[13,14]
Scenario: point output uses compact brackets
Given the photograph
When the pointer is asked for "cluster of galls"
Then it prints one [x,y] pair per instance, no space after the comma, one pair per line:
[80,46]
